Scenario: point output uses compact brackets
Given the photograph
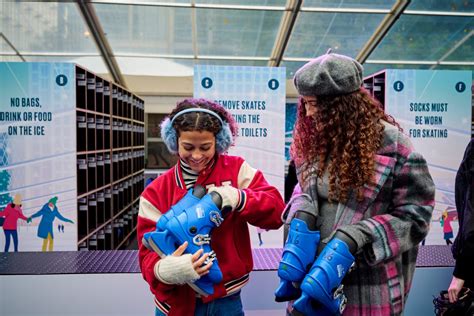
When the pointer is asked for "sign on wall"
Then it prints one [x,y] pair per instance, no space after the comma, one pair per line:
[256,98]
[37,157]
[434,109]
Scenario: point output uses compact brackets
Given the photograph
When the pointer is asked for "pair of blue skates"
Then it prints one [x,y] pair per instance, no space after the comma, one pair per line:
[191,220]
[314,282]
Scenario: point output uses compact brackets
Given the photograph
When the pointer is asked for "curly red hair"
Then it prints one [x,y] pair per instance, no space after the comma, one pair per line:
[348,130]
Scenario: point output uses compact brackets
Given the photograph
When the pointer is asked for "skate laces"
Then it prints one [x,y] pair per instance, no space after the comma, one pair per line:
[216,218]
[201,239]
[211,257]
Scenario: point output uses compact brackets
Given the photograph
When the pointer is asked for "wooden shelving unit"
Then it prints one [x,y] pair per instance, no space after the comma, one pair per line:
[110,161]
[375,84]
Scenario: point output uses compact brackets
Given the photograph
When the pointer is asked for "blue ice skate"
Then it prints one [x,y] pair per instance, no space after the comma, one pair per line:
[298,255]
[323,282]
[309,307]
[193,196]
[194,225]
[161,235]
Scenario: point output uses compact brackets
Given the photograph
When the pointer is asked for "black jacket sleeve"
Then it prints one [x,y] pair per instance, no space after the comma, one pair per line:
[463,249]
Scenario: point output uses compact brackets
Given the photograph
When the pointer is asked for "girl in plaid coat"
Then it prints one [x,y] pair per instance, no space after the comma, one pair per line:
[368,185]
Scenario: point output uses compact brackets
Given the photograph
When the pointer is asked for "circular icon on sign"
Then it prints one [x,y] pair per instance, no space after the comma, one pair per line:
[273,84]
[398,86]
[460,86]
[61,80]
[206,82]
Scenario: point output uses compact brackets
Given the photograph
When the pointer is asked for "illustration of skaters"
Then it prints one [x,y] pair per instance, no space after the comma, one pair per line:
[48,213]
[62,228]
[445,222]
[59,228]
[11,214]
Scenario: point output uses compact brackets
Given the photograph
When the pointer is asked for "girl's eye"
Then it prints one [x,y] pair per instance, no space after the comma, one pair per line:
[205,148]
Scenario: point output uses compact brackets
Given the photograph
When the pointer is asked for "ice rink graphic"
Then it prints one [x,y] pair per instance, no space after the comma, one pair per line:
[39,166]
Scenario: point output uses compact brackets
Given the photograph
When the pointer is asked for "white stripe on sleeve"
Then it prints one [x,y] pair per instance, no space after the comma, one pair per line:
[246,175]
[147,210]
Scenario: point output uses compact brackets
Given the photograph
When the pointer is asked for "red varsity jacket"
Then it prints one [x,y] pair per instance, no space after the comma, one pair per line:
[260,205]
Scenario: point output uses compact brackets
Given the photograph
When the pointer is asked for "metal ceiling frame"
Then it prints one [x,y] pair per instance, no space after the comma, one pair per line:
[292,9]
[54,54]
[164,56]
[92,21]
[344,10]
[383,28]
[287,23]
[420,62]
[17,53]
[438,13]
[191,4]
[288,20]
[194,30]
[452,49]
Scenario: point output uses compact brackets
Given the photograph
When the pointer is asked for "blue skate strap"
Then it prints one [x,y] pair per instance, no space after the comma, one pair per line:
[302,243]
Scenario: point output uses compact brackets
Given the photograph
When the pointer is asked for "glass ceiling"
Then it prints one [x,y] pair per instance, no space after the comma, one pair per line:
[167,38]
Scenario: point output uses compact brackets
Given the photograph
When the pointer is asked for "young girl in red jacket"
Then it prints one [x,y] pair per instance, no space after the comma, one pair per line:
[200,132]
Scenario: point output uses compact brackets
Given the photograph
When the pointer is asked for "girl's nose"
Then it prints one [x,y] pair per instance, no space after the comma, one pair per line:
[196,155]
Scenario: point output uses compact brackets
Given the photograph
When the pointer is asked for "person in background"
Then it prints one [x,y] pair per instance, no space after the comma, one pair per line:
[200,132]
[370,190]
[11,214]
[49,212]
[260,231]
[290,181]
[463,247]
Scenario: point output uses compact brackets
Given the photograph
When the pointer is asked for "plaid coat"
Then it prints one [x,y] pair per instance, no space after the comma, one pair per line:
[393,217]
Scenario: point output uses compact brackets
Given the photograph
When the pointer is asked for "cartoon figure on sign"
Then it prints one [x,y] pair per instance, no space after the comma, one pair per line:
[445,221]
[48,213]
[11,214]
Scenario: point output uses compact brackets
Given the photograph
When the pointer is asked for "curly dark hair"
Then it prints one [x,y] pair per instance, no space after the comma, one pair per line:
[199,121]
[348,130]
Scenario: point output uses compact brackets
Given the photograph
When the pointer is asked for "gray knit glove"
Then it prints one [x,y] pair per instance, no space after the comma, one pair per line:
[298,202]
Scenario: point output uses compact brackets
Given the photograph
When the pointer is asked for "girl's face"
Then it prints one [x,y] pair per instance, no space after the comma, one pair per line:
[196,148]
[310,105]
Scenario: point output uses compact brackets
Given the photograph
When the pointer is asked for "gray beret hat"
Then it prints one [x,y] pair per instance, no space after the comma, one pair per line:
[329,74]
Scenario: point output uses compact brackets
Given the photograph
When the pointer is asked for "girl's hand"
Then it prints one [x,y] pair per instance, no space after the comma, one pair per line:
[454,289]
[198,259]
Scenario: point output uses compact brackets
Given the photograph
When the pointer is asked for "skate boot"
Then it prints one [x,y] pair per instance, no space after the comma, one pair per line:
[194,225]
[193,196]
[309,307]
[323,282]
[161,235]
[298,255]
